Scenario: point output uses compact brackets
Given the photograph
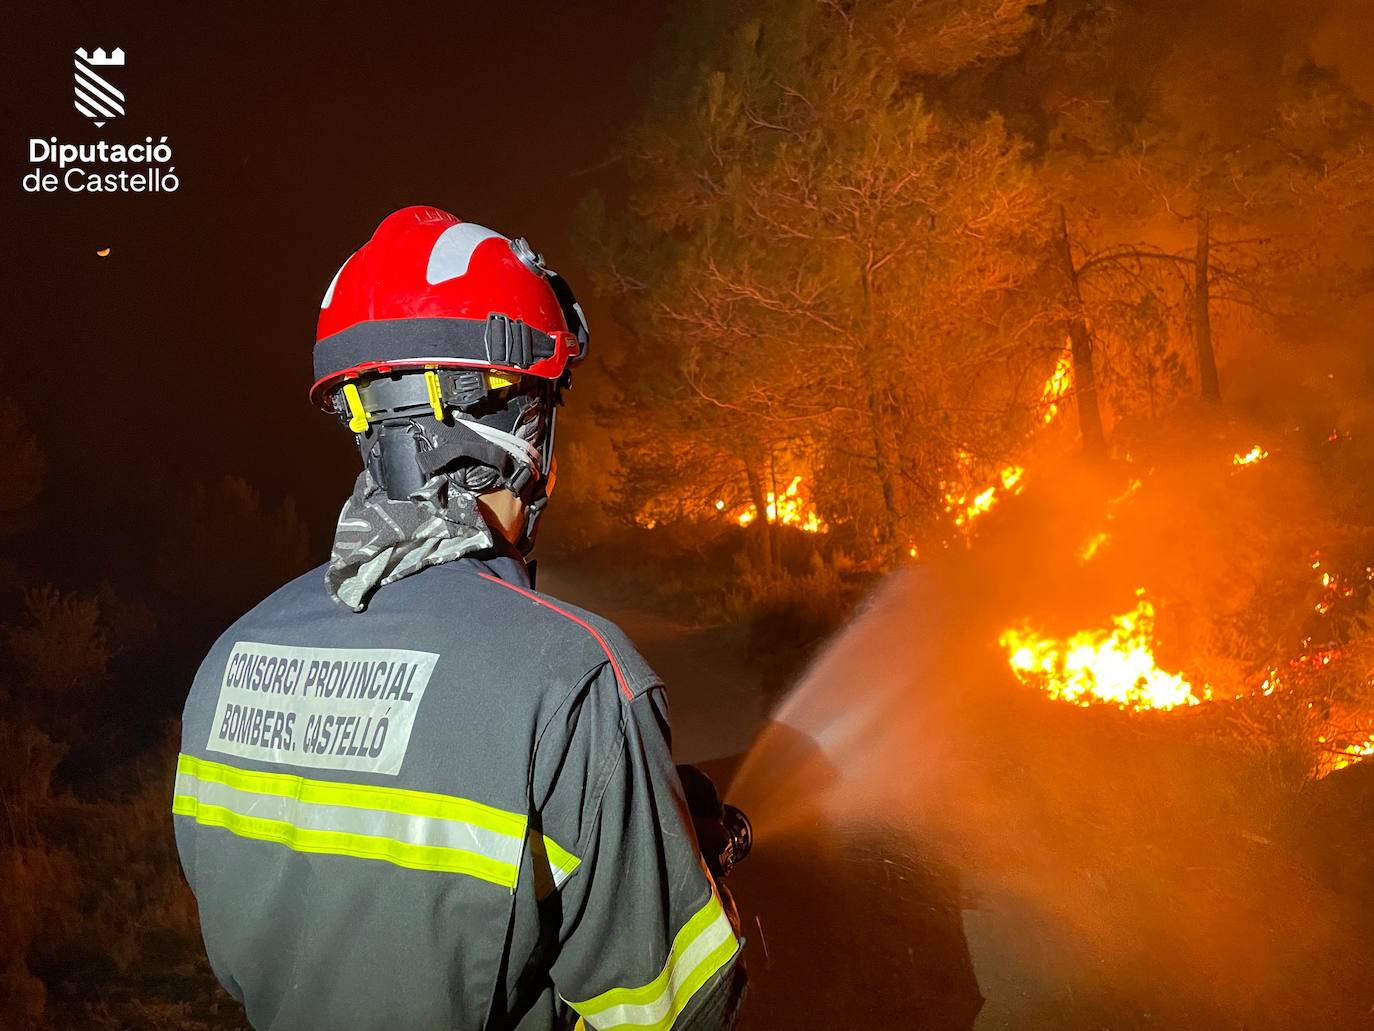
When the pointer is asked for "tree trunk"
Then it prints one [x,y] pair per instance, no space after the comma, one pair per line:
[883,469]
[774,523]
[881,466]
[1202,318]
[1081,348]
[764,533]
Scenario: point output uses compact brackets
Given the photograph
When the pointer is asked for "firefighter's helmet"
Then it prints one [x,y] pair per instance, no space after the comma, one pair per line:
[445,347]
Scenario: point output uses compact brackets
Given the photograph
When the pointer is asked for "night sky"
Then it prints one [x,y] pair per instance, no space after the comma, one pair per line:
[185,354]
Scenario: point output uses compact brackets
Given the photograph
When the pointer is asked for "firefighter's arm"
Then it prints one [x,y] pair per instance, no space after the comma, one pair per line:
[646,943]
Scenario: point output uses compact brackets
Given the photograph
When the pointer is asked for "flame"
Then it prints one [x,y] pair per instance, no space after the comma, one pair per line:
[1334,588]
[785,509]
[1057,386]
[1341,756]
[1255,454]
[1115,665]
[961,501]
[966,509]
[1352,754]
[1094,544]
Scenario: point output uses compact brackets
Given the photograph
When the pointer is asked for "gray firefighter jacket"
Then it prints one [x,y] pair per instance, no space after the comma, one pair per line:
[456,811]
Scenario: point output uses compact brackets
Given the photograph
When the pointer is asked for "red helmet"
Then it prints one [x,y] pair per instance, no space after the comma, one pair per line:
[430,291]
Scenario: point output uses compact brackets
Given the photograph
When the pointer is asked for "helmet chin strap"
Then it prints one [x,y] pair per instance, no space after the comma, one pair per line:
[539,489]
[521,450]
[534,494]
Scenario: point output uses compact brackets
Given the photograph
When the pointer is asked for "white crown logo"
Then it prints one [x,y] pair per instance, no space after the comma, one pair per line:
[116,56]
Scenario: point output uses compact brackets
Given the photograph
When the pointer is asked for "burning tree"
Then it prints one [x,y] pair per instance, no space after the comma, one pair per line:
[1208,193]
[839,265]
[868,232]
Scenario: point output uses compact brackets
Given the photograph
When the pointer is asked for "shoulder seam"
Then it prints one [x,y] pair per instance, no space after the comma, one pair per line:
[615,664]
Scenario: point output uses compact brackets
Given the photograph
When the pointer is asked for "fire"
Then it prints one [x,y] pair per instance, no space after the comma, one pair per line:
[1255,454]
[966,509]
[1342,756]
[785,509]
[1114,665]
[1057,386]
[1334,588]
[1094,544]
[961,501]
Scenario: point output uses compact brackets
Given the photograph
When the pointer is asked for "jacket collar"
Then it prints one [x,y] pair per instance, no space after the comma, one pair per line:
[505,563]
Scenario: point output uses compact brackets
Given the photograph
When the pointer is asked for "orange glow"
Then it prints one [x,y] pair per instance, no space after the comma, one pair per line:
[1255,454]
[1115,665]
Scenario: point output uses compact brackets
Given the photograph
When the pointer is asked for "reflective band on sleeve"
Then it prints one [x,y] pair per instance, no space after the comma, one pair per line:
[562,862]
[704,945]
[416,829]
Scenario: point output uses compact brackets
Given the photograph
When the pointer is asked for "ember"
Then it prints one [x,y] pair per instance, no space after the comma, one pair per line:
[1334,588]
[1254,455]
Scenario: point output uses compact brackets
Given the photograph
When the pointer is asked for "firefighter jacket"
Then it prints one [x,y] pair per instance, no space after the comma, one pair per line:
[455,810]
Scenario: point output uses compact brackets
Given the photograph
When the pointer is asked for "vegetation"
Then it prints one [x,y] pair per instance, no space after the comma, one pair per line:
[862,235]
[97,926]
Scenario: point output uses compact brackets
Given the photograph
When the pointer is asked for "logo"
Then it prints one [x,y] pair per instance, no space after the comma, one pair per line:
[104,165]
[94,95]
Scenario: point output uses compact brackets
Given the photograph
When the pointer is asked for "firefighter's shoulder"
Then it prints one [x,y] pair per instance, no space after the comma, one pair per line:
[588,638]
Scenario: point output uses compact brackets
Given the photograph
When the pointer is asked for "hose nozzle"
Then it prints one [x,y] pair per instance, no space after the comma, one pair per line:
[739,837]
[723,831]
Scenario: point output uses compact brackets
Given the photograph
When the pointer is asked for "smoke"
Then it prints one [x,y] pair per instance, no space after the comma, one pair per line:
[1343,40]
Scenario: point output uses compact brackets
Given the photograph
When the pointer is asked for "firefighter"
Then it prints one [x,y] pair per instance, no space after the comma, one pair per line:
[413,792]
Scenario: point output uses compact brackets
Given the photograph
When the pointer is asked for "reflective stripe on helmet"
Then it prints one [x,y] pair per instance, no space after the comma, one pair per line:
[415,829]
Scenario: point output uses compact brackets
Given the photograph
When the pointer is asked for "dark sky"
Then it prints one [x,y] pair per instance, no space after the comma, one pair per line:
[295,127]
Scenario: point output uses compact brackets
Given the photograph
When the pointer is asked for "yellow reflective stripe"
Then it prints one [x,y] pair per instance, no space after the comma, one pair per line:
[701,948]
[364,799]
[560,858]
[340,843]
[358,796]
[651,991]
